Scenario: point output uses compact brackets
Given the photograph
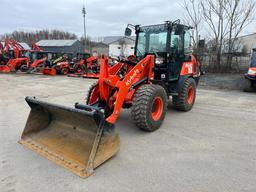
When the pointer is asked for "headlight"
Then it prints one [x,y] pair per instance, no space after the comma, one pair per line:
[252,71]
[159,61]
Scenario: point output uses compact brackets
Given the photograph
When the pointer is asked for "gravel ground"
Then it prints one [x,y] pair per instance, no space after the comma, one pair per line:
[222,81]
[211,148]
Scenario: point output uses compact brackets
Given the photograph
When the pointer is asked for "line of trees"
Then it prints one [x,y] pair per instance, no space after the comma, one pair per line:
[223,21]
[29,37]
[35,36]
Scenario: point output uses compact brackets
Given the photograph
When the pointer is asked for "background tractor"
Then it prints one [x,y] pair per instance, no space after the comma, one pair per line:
[83,137]
[76,65]
[92,67]
[250,76]
[39,59]
[15,58]
[21,58]
[52,66]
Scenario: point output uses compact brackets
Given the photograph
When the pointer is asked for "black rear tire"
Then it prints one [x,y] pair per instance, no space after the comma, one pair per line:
[180,102]
[247,85]
[143,107]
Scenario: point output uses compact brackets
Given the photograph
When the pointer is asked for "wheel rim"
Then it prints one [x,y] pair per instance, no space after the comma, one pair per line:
[65,71]
[191,93]
[79,70]
[157,109]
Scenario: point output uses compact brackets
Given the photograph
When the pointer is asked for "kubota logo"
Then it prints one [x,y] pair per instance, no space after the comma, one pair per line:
[190,68]
[131,78]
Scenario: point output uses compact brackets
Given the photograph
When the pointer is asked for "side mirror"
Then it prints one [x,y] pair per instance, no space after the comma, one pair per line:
[179,30]
[128,32]
[201,44]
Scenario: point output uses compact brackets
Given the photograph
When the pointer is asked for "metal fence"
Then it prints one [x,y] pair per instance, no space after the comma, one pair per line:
[240,63]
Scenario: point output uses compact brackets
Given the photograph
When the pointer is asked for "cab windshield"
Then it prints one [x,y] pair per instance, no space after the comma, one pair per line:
[151,39]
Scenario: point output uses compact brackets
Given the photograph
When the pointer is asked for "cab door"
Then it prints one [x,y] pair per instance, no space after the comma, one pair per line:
[176,54]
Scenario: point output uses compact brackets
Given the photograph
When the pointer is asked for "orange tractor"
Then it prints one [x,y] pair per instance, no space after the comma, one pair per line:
[92,68]
[82,65]
[21,60]
[2,58]
[57,65]
[39,59]
[18,61]
[83,137]
[25,63]
[76,66]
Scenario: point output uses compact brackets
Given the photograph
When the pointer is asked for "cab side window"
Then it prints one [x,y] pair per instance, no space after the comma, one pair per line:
[187,42]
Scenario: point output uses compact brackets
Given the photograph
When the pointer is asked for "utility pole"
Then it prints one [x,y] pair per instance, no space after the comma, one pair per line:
[84,13]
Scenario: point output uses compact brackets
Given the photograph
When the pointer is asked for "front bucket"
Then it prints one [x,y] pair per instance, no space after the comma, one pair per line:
[49,71]
[79,140]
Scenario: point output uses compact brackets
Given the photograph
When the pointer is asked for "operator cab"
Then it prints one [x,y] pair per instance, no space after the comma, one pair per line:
[253,59]
[169,42]
[37,55]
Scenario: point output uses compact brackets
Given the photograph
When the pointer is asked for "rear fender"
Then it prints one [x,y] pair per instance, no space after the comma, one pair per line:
[190,68]
[182,80]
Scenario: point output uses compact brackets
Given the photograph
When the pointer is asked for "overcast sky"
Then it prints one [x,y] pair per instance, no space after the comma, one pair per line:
[104,17]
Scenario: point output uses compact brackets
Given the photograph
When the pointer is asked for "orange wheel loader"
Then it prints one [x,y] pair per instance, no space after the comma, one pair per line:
[82,137]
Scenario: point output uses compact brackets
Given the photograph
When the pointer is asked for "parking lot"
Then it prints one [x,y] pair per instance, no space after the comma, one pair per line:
[211,148]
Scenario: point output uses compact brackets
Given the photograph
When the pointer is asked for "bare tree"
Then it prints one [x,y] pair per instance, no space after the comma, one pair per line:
[215,16]
[89,43]
[225,20]
[240,13]
[193,17]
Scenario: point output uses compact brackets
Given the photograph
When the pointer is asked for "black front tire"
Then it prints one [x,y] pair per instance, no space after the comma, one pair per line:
[142,106]
[89,92]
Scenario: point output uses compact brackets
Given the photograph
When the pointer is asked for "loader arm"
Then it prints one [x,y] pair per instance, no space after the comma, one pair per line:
[142,70]
[6,46]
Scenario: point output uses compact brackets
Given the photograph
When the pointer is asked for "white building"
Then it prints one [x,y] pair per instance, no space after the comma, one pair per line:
[243,44]
[120,46]
[24,45]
